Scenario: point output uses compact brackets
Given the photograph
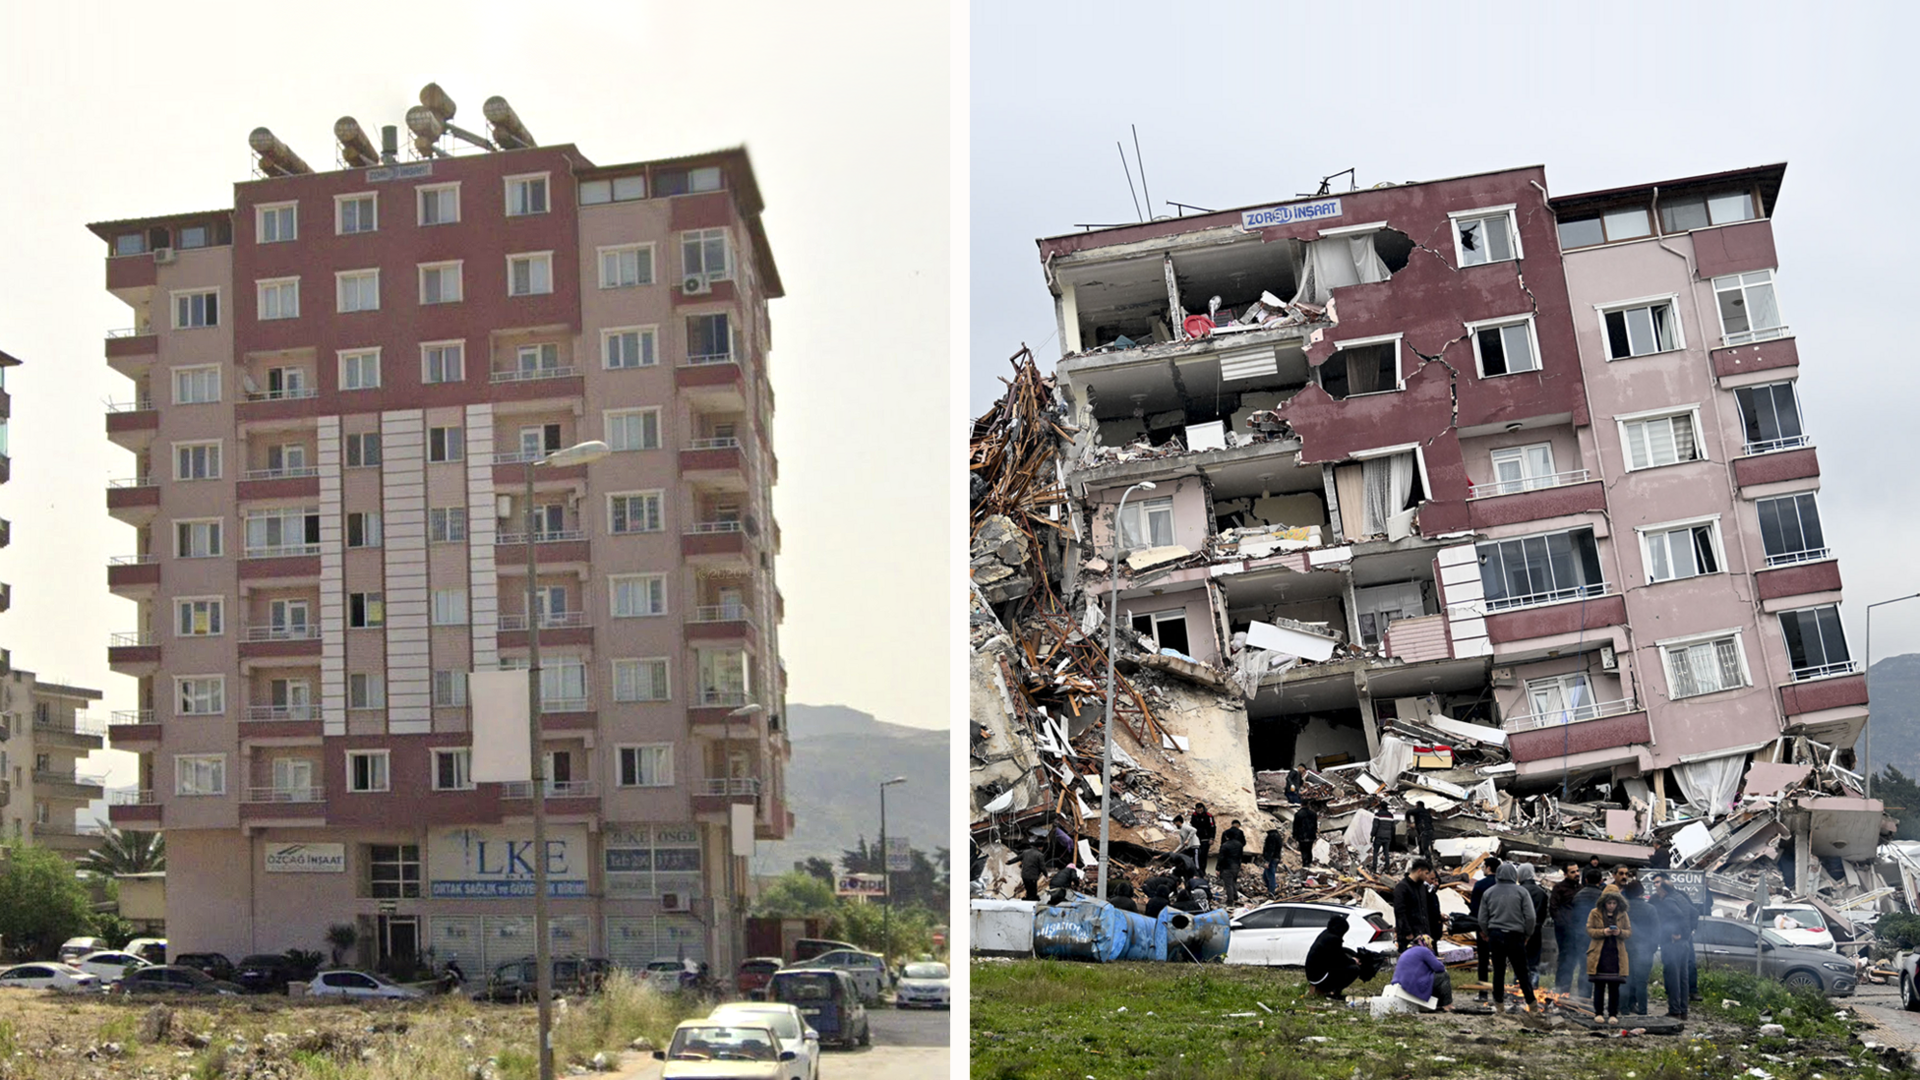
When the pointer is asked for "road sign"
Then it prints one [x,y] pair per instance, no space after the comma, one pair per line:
[899,854]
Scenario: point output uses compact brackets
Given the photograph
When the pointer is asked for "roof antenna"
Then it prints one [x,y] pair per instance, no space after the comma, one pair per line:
[1142,162]
[1129,171]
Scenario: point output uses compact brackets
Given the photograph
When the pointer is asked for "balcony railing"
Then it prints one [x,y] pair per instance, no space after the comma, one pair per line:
[516,457]
[281,551]
[717,699]
[131,638]
[700,528]
[721,785]
[290,394]
[712,613]
[285,472]
[563,704]
[556,789]
[1554,596]
[532,374]
[133,482]
[282,632]
[133,560]
[130,716]
[1530,483]
[1844,667]
[728,443]
[282,712]
[555,621]
[1768,446]
[141,404]
[65,829]
[125,797]
[540,536]
[81,724]
[1595,710]
[1789,558]
[709,359]
[55,776]
[276,794]
[130,331]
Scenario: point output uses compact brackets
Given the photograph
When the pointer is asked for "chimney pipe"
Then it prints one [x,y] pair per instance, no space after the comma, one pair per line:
[390,143]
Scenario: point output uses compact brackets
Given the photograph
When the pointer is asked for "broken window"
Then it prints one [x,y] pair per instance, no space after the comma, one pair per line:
[1506,349]
[1379,605]
[1541,569]
[1700,211]
[1361,369]
[1485,238]
[1685,552]
[1660,440]
[1627,223]
[1390,488]
[1148,524]
[1562,698]
[1168,629]
[1748,310]
[1333,261]
[1816,645]
[1520,468]
[1639,331]
[1770,416]
[1790,529]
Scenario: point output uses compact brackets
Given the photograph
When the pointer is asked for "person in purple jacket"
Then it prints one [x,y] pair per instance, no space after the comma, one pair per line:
[1420,975]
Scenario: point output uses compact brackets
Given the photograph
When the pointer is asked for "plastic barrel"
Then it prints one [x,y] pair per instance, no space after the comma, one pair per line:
[1198,938]
[1146,938]
[1080,929]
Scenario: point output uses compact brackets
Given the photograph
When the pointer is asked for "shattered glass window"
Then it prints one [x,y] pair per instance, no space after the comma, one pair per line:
[1506,350]
[1486,239]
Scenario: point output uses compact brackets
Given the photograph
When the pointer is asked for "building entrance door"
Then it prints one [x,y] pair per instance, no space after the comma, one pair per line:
[399,937]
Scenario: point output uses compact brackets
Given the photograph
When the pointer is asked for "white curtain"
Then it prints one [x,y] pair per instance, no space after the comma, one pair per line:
[1325,265]
[1710,785]
[1395,757]
[1389,483]
[1366,261]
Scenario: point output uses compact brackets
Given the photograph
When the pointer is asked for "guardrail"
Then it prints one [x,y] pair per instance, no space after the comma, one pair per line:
[270,632]
[557,621]
[728,443]
[1598,710]
[1530,483]
[1512,603]
[282,473]
[701,528]
[712,613]
[282,712]
[142,797]
[1844,667]
[281,551]
[556,789]
[133,560]
[722,785]
[709,360]
[518,375]
[550,536]
[130,716]
[131,637]
[294,394]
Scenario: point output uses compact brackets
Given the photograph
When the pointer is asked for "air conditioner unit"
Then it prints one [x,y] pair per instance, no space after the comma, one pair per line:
[503,506]
[1608,661]
[673,902]
[163,255]
[1503,676]
[695,285]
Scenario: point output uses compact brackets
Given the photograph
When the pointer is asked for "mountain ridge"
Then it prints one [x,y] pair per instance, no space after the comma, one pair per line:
[840,757]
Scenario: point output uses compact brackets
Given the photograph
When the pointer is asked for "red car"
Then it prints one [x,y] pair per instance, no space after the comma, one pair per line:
[754,975]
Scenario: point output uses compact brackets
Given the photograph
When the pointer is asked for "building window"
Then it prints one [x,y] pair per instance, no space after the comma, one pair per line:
[526,195]
[1626,223]
[709,339]
[363,448]
[533,360]
[1641,329]
[196,461]
[724,677]
[198,617]
[1166,629]
[1520,468]
[357,290]
[704,255]
[1148,524]
[1505,348]
[1661,440]
[443,362]
[1541,569]
[366,610]
[393,870]
[192,236]
[1816,644]
[288,460]
[273,533]
[449,607]
[201,695]
[366,690]
[1561,698]
[283,384]
[529,275]
[1700,211]
[1748,309]
[196,310]
[197,539]
[628,348]
[453,770]
[130,244]
[1683,552]
[1485,236]
[537,442]
[367,770]
[356,213]
[640,680]
[279,299]
[440,283]
[646,766]
[447,525]
[633,429]
[276,223]
[196,385]
[1790,529]
[550,604]
[668,182]
[549,522]
[446,444]
[634,513]
[563,682]
[618,189]
[1770,417]
[363,530]
[450,689]
[627,266]
[439,204]
[1363,368]
[1704,666]
[200,774]
[638,595]
[360,370]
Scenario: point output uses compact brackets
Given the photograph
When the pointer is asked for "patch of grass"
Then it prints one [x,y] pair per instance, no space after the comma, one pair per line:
[1806,1014]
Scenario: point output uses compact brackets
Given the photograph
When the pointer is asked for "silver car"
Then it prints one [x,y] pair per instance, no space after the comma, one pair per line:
[1729,944]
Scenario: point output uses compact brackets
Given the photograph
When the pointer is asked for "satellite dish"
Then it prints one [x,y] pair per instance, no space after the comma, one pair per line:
[246,380]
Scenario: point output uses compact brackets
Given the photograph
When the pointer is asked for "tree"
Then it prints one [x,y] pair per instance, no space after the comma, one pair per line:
[797,895]
[42,902]
[1901,794]
[818,867]
[126,852]
[340,938]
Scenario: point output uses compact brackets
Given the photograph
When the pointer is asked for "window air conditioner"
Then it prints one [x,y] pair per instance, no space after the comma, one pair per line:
[695,285]
[163,255]
[673,902]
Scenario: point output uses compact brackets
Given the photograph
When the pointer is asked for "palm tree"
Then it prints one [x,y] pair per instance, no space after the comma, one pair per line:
[127,852]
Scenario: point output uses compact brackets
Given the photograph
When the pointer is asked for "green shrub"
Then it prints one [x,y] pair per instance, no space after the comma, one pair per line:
[1898,929]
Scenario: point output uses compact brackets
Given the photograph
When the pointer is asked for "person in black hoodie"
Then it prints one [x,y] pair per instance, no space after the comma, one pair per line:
[1233,849]
[1592,884]
[1270,850]
[1306,830]
[1032,864]
[1416,906]
[1420,828]
[1525,872]
[1158,889]
[1560,906]
[1331,966]
[1678,916]
[1120,893]
[1202,820]
[1065,880]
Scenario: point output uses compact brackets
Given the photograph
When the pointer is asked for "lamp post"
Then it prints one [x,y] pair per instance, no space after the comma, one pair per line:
[579,454]
[886,875]
[1866,756]
[1106,742]
[734,945]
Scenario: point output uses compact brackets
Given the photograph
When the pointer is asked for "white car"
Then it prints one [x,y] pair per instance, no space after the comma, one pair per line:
[664,973]
[49,975]
[924,983]
[787,1023]
[707,1050]
[869,970]
[109,966]
[1280,934]
[1801,924]
[359,984]
[76,947]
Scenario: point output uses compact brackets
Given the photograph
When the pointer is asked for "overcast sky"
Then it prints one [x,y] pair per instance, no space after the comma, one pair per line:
[121,110]
[1248,103]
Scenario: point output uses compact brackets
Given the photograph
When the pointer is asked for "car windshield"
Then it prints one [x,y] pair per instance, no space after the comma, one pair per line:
[780,1020]
[722,1042]
[1774,937]
[926,971]
[1794,918]
[805,987]
[760,967]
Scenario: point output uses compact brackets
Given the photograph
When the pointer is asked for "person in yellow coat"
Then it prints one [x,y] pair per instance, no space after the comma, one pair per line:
[1608,929]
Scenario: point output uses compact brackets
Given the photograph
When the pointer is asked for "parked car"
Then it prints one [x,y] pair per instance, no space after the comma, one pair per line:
[755,972]
[1280,934]
[924,983]
[176,979]
[151,949]
[706,1049]
[516,980]
[213,963]
[266,973]
[77,947]
[869,970]
[1729,944]
[1800,924]
[787,1024]
[828,1001]
[669,973]
[807,948]
[109,965]
[50,975]
[359,984]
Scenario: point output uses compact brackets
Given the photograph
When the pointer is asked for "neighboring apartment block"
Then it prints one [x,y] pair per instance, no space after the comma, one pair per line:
[340,385]
[1538,462]
[44,733]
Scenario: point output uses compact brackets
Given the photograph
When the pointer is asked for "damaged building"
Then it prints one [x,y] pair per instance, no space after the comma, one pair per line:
[1519,481]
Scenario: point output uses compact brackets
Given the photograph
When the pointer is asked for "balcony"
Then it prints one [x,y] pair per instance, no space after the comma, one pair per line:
[564,797]
[517,385]
[135,653]
[1774,445]
[1799,464]
[130,349]
[715,794]
[133,730]
[276,641]
[1825,671]
[1551,738]
[1803,579]
[1538,498]
[66,836]
[79,732]
[711,715]
[133,576]
[66,784]
[134,500]
[287,724]
[132,425]
[716,543]
[1593,710]
[720,464]
[1585,610]
[551,549]
[716,383]
[1764,356]
[283,803]
[282,562]
[558,628]
[300,482]
[1843,690]
[133,809]
[721,622]
[274,408]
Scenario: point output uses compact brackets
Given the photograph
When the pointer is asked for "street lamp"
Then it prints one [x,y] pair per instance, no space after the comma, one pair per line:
[1866,756]
[579,454]
[734,944]
[886,875]
[1106,742]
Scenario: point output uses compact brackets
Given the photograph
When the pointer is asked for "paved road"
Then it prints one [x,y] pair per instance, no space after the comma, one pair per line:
[1881,1004]
[906,1046]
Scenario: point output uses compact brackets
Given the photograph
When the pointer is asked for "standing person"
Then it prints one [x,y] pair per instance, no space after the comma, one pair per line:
[1420,828]
[1189,837]
[1481,945]
[1296,780]
[1677,919]
[1415,905]
[1609,928]
[1560,906]
[1233,847]
[1592,882]
[1539,897]
[1331,966]
[1662,858]
[1640,947]
[1306,830]
[1382,835]
[1271,848]
[1506,916]
[1032,865]
[1203,828]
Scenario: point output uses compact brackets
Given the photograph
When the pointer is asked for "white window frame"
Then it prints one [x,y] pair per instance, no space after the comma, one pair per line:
[1497,486]
[185,607]
[444,521]
[1672,302]
[260,213]
[1625,420]
[426,361]
[453,444]
[354,444]
[340,217]
[372,530]
[664,666]
[1475,328]
[647,581]
[214,459]
[1562,682]
[660,499]
[1399,361]
[359,277]
[1646,534]
[660,753]
[1666,647]
[196,373]
[508,183]
[701,237]
[1848,666]
[173,302]
[459,281]
[1513,232]
[463,767]
[1139,521]
[216,684]
[453,682]
[265,286]
[613,419]
[1750,335]
[647,341]
[649,278]
[386,771]
[214,529]
[373,691]
[449,607]
[360,358]
[420,193]
[532,258]
[218,762]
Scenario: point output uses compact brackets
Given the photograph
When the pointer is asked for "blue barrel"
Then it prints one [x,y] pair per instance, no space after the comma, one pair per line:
[1146,938]
[1080,929]
[1198,938]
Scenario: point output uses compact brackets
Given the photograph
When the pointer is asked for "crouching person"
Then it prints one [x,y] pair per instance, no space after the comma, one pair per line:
[1332,967]
[1420,982]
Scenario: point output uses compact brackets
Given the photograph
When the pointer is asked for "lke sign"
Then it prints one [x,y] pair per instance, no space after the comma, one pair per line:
[494,862]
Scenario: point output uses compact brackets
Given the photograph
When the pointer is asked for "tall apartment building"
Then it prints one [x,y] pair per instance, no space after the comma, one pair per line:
[341,382]
[44,733]
[1541,458]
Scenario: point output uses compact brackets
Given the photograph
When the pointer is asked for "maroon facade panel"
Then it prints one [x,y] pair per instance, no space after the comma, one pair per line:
[291,566]
[120,577]
[509,556]
[565,721]
[314,811]
[1584,737]
[1773,468]
[725,459]
[411,800]
[133,654]
[515,472]
[261,650]
[687,378]
[1806,697]
[1799,580]
[1734,249]
[143,420]
[131,272]
[551,635]
[1554,619]
[129,497]
[709,210]
[727,543]
[280,487]
[1766,356]
[1537,505]
[730,630]
[120,348]
[717,292]
[281,729]
[130,736]
[124,814]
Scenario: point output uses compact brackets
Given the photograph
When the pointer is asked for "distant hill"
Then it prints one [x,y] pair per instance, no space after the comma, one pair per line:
[1896,714]
[840,756]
